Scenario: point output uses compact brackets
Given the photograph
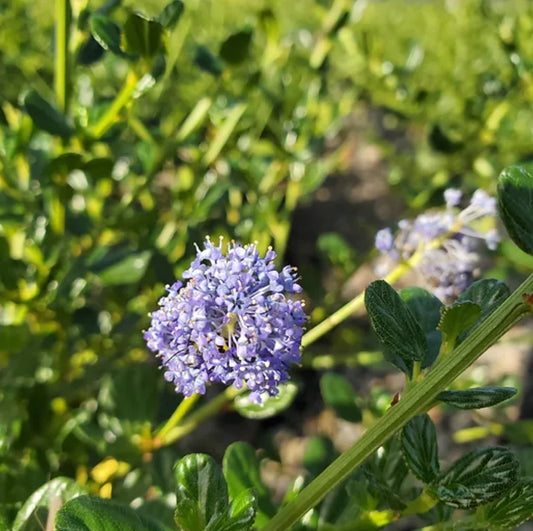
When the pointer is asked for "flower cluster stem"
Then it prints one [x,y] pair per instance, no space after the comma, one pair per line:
[416,400]
[61,60]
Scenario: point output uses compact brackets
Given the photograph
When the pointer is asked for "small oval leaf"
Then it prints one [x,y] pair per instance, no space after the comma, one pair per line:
[45,116]
[106,33]
[478,477]
[171,14]
[142,36]
[235,48]
[393,322]
[457,319]
[420,449]
[270,406]
[476,398]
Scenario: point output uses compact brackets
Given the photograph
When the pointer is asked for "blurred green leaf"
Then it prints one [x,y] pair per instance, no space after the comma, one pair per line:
[271,405]
[318,454]
[242,471]
[142,36]
[515,205]
[116,267]
[88,513]
[476,398]
[171,14]
[394,323]
[45,116]
[419,444]
[60,489]
[106,33]
[207,61]
[236,47]
[478,477]
[338,394]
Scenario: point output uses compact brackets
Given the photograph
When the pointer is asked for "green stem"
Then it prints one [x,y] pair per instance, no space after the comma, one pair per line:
[183,408]
[110,116]
[61,63]
[416,400]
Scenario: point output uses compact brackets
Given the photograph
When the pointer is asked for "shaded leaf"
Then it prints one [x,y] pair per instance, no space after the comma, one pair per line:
[45,116]
[242,472]
[338,394]
[393,322]
[420,449]
[142,36]
[236,47]
[169,17]
[207,61]
[478,477]
[515,205]
[476,398]
[116,267]
[106,33]
[318,454]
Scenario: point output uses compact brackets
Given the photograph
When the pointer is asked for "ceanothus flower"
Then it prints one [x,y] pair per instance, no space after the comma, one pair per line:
[230,322]
[450,267]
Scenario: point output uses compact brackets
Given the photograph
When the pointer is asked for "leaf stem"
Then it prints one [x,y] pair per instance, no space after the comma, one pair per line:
[416,400]
[61,60]
[122,99]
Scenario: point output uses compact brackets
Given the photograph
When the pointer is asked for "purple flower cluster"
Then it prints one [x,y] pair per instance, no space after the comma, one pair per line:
[450,267]
[231,322]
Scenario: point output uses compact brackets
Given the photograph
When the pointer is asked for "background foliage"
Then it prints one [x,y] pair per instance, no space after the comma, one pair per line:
[218,120]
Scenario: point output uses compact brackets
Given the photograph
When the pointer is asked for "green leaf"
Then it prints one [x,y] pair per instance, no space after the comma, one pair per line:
[487,293]
[88,513]
[106,33]
[515,205]
[241,515]
[393,322]
[457,319]
[477,398]
[142,36]
[271,405]
[60,488]
[207,61]
[340,396]
[511,510]
[171,14]
[420,449]
[235,48]
[242,472]
[120,267]
[45,116]
[202,493]
[478,477]
[318,454]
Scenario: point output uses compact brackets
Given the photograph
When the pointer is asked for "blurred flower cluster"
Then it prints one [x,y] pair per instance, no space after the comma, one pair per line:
[450,243]
[231,322]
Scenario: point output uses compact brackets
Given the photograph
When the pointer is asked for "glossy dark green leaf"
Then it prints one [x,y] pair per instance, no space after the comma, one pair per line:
[420,448]
[242,472]
[171,14]
[339,395]
[207,61]
[476,398]
[511,510]
[236,47]
[426,308]
[478,477]
[45,116]
[61,488]
[89,51]
[202,493]
[487,293]
[106,33]
[393,322]
[88,513]
[241,515]
[515,205]
[142,36]
[457,319]
[271,405]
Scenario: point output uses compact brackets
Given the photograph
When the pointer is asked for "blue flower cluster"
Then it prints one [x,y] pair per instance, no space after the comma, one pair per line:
[449,268]
[231,322]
